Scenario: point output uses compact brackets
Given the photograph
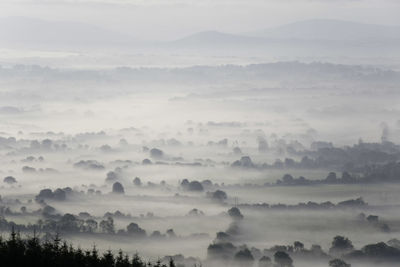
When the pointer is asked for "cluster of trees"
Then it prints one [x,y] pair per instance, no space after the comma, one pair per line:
[195,185]
[71,224]
[46,145]
[244,162]
[61,194]
[389,172]
[360,154]
[89,165]
[374,221]
[352,203]
[33,252]
[266,71]
[243,256]
[33,159]
[10,180]
[331,178]
[28,169]
[217,195]
[58,194]
[224,249]
[359,158]
[6,142]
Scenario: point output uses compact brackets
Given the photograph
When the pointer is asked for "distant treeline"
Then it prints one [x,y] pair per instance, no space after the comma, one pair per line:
[359,158]
[290,70]
[286,255]
[15,252]
[350,203]
[389,172]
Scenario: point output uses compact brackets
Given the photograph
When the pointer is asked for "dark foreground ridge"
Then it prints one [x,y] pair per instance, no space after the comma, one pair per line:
[18,252]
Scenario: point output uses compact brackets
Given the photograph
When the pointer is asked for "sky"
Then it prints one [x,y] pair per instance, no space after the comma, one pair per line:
[172,19]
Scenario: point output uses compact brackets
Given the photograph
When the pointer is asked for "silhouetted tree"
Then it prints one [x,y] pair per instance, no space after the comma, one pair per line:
[235,213]
[118,188]
[265,261]
[244,257]
[282,259]
[33,253]
[107,226]
[338,263]
[340,245]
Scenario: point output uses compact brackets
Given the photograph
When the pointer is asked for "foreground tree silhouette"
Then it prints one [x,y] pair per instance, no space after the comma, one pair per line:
[31,252]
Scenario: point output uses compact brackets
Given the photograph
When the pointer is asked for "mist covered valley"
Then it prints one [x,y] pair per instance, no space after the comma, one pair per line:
[276,147]
[86,153]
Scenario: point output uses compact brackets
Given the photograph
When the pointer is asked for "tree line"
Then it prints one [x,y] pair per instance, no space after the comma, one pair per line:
[32,252]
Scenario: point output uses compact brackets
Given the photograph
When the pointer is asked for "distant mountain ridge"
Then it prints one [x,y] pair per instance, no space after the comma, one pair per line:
[21,30]
[327,34]
[327,29]
[216,37]
[310,35]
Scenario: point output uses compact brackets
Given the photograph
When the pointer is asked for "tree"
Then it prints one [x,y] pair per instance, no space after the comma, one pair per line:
[31,252]
[246,162]
[235,213]
[137,181]
[237,151]
[265,261]
[262,144]
[347,178]
[146,162]
[287,179]
[219,195]
[223,237]
[135,230]
[171,263]
[298,246]
[244,257]
[171,233]
[45,193]
[59,194]
[338,263]
[340,245]
[156,153]
[69,223]
[122,260]
[195,186]
[10,180]
[118,188]
[331,178]
[282,259]
[381,251]
[107,226]
[107,259]
[223,250]
[137,262]
[112,176]
[90,225]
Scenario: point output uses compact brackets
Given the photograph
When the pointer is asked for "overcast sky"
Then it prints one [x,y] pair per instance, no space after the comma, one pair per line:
[170,19]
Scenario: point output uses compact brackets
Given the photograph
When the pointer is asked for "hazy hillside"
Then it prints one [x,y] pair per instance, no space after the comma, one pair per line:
[30,31]
[325,29]
[215,38]
[315,38]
